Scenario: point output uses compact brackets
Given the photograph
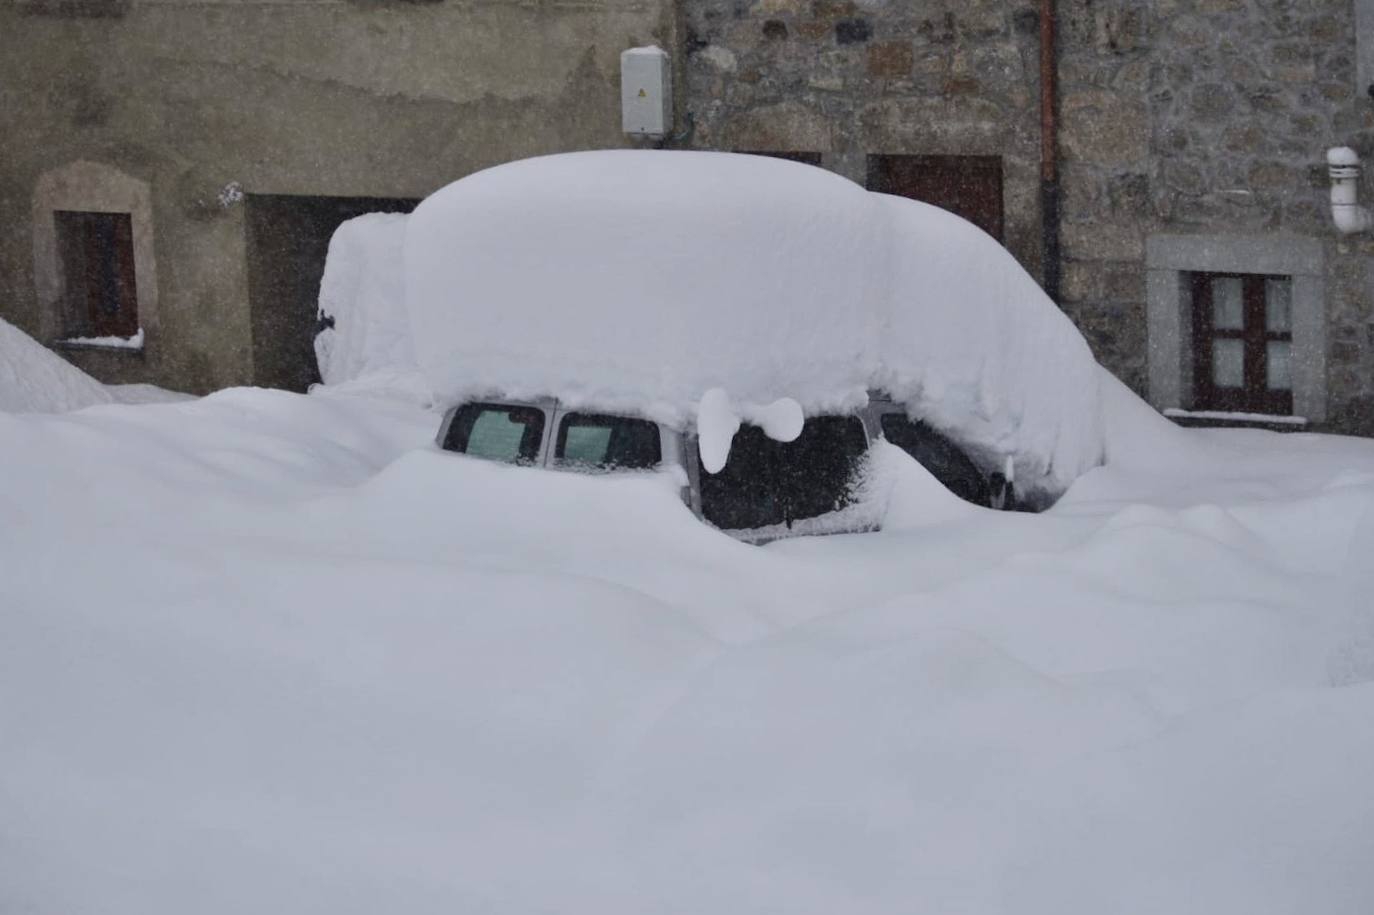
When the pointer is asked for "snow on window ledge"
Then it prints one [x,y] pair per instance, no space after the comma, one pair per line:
[1225,416]
[135,342]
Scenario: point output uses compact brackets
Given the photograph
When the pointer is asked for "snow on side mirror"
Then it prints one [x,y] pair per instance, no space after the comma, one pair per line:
[717,423]
[782,420]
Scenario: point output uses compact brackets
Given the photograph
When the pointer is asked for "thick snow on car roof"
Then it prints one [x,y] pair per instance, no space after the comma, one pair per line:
[638,280]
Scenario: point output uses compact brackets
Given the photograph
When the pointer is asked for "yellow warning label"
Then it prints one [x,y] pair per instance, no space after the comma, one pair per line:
[643,94]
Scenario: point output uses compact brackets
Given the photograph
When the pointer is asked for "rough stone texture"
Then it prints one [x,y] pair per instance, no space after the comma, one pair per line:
[1223,110]
[1178,116]
[379,98]
[847,79]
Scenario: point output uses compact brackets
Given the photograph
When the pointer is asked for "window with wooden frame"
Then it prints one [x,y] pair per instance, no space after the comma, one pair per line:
[97,255]
[1242,342]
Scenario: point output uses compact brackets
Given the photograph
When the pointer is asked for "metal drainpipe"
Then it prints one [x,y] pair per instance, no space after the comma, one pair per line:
[1049,152]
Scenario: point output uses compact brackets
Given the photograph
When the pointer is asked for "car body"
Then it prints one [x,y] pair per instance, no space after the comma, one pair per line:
[767,489]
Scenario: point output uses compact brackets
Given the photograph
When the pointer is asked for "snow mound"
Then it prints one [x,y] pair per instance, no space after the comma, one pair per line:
[34,379]
[973,346]
[363,292]
[643,279]
[638,280]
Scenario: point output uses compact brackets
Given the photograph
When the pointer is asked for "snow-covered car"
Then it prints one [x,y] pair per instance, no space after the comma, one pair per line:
[593,300]
[767,488]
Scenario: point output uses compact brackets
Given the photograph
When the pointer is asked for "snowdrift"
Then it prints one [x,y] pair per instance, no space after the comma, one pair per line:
[34,379]
[638,280]
[362,294]
[346,673]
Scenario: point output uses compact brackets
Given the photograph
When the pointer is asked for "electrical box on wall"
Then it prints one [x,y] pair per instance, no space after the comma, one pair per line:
[646,92]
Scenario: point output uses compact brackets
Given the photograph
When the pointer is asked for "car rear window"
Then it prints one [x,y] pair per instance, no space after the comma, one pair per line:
[936,453]
[767,482]
[602,441]
[497,432]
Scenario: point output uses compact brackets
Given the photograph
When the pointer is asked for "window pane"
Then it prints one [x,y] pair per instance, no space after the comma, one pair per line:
[97,252]
[768,482]
[497,432]
[1278,305]
[586,444]
[1280,374]
[937,454]
[608,441]
[1228,363]
[1228,303]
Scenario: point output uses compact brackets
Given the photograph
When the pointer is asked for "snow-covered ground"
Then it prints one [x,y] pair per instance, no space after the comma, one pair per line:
[263,652]
[34,379]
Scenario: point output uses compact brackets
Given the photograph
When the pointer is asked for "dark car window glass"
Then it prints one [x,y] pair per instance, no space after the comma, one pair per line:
[595,440]
[766,482]
[496,432]
[936,453]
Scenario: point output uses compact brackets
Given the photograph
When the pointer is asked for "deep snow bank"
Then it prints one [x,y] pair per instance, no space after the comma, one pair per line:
[34,379]
[975,347]
[639,280]
[349,673]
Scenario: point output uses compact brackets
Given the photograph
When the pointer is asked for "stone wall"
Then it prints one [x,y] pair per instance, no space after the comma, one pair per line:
[207,100]
[1209,117]
[1177,117]
[848,78]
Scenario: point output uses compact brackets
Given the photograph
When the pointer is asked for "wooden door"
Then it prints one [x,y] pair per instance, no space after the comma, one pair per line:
[969,186]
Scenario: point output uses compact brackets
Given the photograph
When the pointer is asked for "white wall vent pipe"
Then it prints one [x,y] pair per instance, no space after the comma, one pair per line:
[1349,216]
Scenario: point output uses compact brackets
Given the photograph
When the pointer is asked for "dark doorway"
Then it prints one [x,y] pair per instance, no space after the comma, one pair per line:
[806,158]
[969,186]
[288,238]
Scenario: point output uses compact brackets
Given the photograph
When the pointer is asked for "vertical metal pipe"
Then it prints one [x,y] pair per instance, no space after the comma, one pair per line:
[1049,151]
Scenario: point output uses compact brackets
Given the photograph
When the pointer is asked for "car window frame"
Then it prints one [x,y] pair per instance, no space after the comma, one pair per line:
[561,414]
[544,407]
[879,406]
[696,475]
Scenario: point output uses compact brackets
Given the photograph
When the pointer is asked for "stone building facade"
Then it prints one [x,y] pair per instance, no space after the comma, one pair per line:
[1190,147]
[1191,140]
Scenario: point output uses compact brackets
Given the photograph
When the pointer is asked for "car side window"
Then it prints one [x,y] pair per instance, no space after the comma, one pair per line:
[497,432]
[603,441]
[937,454]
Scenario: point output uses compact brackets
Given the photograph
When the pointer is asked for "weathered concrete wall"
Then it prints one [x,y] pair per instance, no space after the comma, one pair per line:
[384,99]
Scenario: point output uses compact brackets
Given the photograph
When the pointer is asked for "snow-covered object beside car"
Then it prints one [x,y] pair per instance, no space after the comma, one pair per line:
[34,379]
[362,299]
[974,347]
[635,281]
